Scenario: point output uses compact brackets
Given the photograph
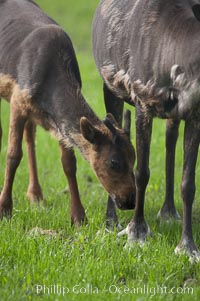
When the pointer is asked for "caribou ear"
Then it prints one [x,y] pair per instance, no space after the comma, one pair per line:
[89,132]
[127,123]
[196,11]
[112,119]
[108,121]
[109,124]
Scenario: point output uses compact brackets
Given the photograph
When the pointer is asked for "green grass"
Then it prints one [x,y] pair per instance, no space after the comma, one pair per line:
[89,263]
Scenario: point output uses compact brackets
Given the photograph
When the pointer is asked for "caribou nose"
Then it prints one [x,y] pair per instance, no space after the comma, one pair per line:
[127,204]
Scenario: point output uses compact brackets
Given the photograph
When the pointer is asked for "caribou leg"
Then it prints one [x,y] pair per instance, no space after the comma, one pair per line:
[137,229]
[191,145]
[69,166]
[168,209]
[34,192]
[113,105]
[14,155]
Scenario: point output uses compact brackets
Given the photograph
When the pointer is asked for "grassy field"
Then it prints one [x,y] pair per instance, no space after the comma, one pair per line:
[90,263]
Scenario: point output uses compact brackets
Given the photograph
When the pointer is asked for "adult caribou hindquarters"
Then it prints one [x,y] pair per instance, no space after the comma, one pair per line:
[39,76]
[147,53]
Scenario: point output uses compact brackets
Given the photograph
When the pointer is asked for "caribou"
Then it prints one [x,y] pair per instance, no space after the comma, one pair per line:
[147,54]
[40,78]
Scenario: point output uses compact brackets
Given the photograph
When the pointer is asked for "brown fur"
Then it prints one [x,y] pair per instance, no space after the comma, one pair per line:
[42,82]
[23,108]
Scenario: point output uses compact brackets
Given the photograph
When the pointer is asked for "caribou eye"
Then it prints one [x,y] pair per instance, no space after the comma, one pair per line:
[115,163]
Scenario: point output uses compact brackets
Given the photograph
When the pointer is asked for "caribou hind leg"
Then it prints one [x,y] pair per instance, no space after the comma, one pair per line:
[191,145]
[14,155]
[113,105]
[34,192]
[168,209]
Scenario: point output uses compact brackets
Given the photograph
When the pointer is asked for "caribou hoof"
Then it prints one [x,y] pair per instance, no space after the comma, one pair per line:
[35,196]
[5,207]
[79,219]
[111,223]
[5,212]
[112,226]
[168,214]
[137,232]
[188,248]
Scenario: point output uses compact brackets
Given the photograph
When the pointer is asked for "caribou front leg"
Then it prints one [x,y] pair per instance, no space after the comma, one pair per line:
[34,192]
[69,166]
[191,145]
[111,214]
[137,229]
